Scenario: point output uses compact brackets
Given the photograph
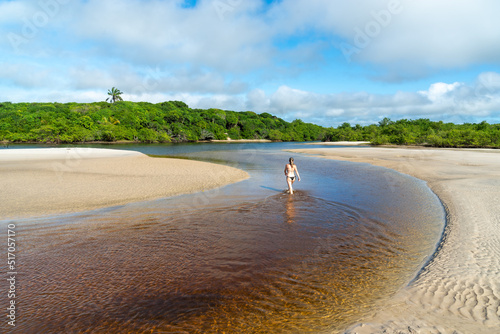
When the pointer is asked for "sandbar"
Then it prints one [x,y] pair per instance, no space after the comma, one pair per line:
[340,143]
[229,140]
[37,182]
[458,291]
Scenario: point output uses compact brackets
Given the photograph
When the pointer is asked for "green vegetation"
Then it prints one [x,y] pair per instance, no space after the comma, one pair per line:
[144,122]
[419,132]
[114,95]
[174,121]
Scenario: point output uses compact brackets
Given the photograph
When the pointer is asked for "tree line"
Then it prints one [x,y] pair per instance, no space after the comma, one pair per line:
[174,121]
[419,132]
[171,121]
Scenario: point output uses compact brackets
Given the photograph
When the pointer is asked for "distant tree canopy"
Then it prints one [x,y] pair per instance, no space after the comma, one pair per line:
[174,121]
[171,121]
[419,132]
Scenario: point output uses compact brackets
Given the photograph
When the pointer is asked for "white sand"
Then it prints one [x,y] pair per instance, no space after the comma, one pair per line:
[459,290]
[229,140]
[73,153]
[37,182]
[340,143]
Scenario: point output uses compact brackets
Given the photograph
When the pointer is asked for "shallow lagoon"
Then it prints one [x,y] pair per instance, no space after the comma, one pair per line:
[243,258]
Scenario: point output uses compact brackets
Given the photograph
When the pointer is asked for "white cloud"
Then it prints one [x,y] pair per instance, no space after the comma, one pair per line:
[26,75]
[488,84]
[438,91]
[239,37]
[455,102]
[223,53]
[257,100]
[149,80]
[158,31]
[395,33]
[10,11]
[287,99]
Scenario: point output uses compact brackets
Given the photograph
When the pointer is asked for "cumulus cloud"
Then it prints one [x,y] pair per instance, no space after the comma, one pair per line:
[394,33]
[450,102]
[25,75]
[10,11]
[454,102]
[150,80]
[222,53]
[257,100]
[241,35]
[158,31]
[438,91]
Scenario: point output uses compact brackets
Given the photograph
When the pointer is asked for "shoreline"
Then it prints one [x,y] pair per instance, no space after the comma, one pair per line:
[340,143]
[6,143]
[458,291]
[49,181]
[238,141]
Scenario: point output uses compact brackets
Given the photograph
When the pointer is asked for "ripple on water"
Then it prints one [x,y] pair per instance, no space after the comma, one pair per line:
[288,263]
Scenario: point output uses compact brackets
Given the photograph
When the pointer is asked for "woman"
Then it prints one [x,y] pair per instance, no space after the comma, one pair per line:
[290,170]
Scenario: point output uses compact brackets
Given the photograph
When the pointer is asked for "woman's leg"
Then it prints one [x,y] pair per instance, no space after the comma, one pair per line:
[289,182]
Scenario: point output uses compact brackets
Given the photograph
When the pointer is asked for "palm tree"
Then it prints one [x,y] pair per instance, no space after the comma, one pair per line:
[114,94]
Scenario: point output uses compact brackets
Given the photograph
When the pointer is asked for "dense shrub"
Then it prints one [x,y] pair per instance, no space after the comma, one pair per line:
[171,121]
[420,132]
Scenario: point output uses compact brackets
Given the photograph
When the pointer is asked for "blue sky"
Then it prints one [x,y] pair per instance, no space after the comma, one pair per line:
[323,61]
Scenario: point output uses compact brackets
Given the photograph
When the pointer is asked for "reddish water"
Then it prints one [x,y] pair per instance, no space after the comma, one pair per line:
[272,266]
[231,264]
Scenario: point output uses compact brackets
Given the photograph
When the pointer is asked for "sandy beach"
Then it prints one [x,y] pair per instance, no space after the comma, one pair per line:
[458,291]
[340,143]
[38,182]
[229,140]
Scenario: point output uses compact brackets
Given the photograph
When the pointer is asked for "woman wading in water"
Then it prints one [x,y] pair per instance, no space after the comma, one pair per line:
[290,170]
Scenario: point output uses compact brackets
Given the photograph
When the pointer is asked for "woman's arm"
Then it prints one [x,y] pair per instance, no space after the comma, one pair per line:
[297,171]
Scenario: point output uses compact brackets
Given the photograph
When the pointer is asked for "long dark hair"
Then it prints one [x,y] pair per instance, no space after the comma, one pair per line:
[290,161]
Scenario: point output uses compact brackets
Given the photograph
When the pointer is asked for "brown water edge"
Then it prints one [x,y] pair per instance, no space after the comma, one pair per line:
[287,264]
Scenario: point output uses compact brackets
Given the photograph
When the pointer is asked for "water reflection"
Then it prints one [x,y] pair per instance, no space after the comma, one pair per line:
[234,269]
[290,209]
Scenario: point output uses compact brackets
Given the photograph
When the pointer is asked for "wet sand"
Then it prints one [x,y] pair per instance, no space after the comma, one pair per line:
[458,291]
[38,182]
